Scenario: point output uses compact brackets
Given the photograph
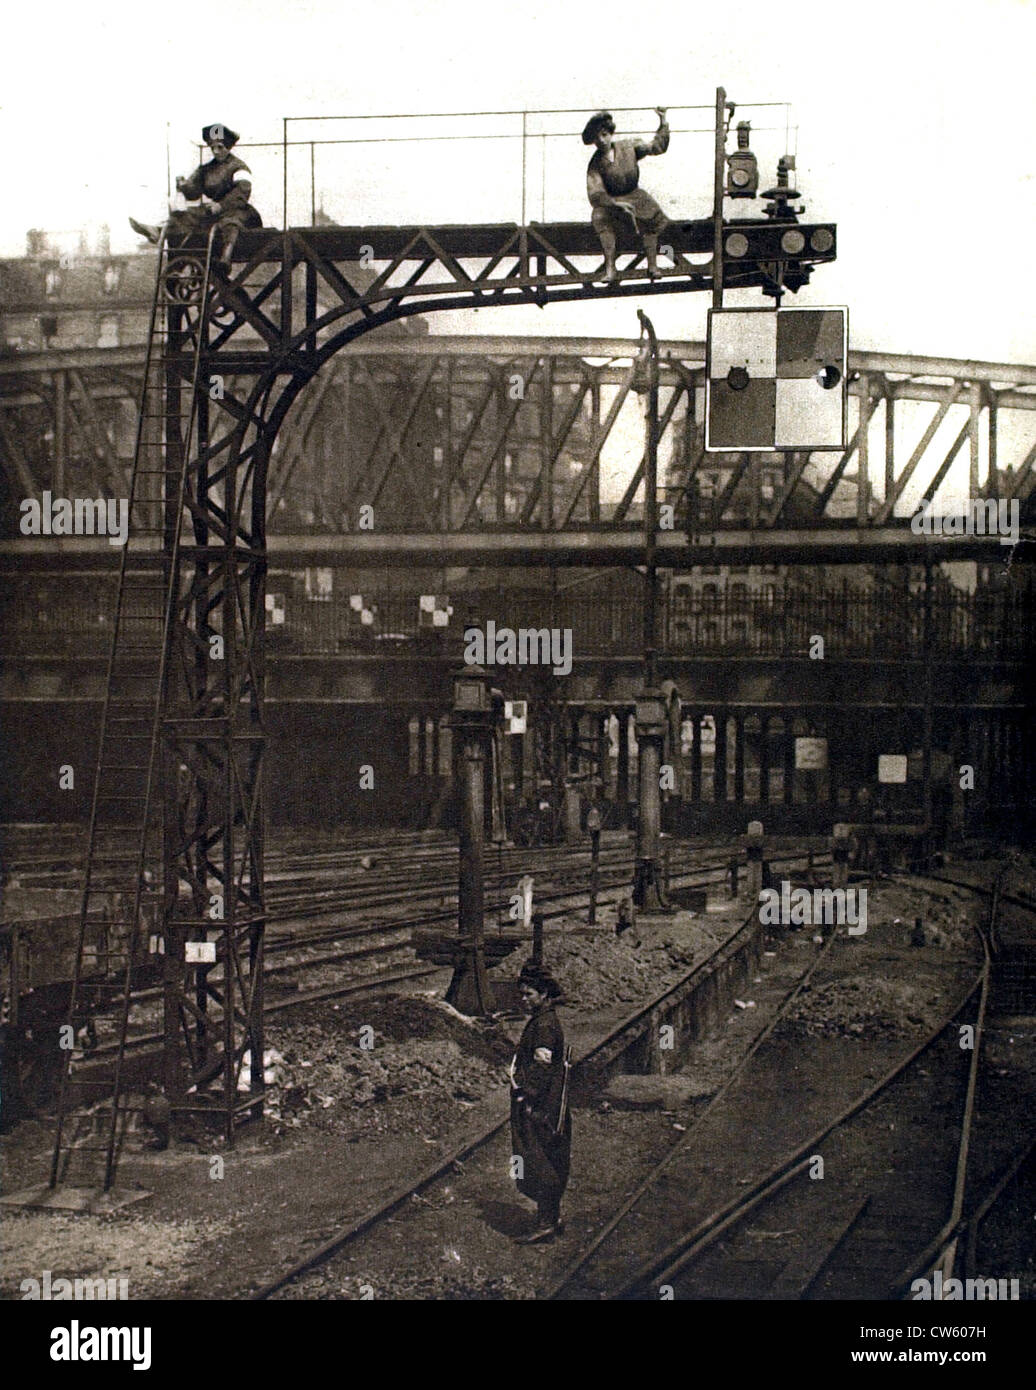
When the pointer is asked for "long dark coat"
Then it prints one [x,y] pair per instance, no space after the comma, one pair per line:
[537,1085]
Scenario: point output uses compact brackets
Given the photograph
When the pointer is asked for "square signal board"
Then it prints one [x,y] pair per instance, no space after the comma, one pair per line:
[776,379]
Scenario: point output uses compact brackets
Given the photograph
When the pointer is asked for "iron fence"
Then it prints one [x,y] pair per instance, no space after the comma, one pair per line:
[772,621]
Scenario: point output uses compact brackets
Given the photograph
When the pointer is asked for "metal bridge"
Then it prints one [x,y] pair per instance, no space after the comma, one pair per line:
[462,467]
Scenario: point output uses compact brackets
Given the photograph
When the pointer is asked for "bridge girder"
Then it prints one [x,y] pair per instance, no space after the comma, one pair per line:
[73,414]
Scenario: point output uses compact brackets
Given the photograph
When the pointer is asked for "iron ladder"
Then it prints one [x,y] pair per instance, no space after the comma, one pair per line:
[126,811]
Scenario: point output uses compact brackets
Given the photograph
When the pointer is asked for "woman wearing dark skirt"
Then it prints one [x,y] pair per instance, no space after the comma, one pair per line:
[613,187]
[541,1125]
[221,188]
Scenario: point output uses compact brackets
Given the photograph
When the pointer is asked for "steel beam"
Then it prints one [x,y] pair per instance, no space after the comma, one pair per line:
[489,345]
[806,545]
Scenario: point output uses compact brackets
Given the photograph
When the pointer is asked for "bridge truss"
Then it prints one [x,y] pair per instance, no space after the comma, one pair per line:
[470,447]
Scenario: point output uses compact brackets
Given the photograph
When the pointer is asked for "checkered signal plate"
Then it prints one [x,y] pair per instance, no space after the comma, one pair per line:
[776,379]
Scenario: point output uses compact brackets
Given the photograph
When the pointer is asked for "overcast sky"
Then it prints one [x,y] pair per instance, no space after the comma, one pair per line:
[915,131]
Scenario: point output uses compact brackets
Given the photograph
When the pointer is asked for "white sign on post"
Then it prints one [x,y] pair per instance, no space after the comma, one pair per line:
[199,952]
[892,767]
[516,714]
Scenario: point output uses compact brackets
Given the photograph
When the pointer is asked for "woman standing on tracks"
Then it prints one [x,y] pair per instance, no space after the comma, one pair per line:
[541,1125]
[612,185]
[221,188]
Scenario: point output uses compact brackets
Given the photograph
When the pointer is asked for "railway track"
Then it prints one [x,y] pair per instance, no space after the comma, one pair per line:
[857,1217]
[850,1238]
[553,905]
[831,1228]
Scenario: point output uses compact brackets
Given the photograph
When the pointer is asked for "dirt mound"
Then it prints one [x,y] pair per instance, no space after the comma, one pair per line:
[405,1068]
[863,1009]
[595,972]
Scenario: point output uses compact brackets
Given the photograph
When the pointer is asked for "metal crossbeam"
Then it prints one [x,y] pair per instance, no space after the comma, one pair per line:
[583,544]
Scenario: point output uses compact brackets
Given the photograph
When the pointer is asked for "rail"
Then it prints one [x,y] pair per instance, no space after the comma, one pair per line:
[664,1264]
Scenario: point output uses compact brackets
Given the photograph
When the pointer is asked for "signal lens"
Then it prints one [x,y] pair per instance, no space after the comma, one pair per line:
[793,243]
[821,240]
[736,244]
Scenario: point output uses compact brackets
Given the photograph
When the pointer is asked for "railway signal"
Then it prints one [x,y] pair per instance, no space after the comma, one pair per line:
[786,250]
[776,379]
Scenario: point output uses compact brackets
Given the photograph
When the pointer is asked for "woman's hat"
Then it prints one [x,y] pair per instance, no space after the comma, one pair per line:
[602,121]
[539,979]
[223,133]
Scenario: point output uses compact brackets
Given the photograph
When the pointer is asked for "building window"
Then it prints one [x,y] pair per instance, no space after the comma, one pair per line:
[51,283]
[109,334]
[112,276]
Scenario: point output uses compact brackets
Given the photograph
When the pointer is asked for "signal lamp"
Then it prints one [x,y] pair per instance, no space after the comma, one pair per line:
[742,167]
[736,244]
[821,240]
[793,242]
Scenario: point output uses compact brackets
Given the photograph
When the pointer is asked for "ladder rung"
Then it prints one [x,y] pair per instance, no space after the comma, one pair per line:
[74,1149]
[110,959]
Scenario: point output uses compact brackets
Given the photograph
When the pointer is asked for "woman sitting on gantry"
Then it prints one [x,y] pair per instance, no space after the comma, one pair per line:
[220,190]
